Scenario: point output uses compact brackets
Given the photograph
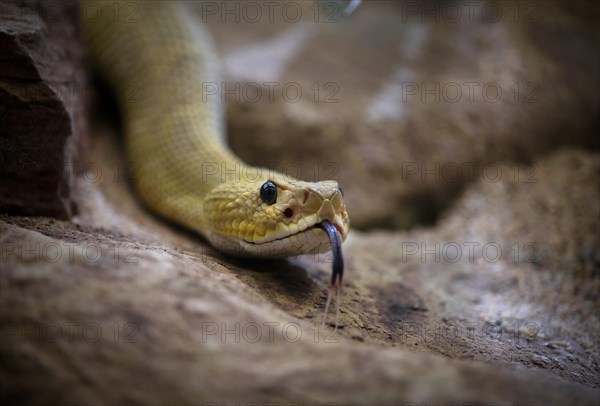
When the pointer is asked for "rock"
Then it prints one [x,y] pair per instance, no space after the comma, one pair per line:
[495,303]
[42,84]
[510,273]
[405,103]
[163,318]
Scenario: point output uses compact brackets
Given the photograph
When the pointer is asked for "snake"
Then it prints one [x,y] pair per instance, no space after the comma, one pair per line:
[157,59]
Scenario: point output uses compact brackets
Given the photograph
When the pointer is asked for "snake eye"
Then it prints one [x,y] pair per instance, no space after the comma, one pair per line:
[268,192]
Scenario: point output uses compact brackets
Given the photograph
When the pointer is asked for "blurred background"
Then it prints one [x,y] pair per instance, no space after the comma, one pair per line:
[462,135]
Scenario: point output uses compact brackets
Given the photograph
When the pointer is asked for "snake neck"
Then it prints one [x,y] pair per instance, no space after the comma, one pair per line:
[159,64]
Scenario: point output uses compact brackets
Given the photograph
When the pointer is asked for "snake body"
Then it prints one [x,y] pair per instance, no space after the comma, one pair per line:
[157,61]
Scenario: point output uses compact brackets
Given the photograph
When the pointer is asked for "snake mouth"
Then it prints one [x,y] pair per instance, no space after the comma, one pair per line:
[285,235]
[316,238]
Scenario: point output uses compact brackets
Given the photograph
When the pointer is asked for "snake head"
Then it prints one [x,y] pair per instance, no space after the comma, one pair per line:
[274,216]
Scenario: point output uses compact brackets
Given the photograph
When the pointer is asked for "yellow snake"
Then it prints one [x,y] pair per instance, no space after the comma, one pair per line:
[157,59]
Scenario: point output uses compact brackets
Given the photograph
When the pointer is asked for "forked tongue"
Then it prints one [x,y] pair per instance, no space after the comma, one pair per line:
[337,269]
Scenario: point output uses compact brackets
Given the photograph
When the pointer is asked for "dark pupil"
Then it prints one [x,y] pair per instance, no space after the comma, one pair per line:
[268,192]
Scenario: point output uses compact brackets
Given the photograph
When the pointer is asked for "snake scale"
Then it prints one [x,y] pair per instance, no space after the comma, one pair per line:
[156,61]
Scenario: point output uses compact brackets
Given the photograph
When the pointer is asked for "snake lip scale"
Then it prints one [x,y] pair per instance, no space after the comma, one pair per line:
[336,224]
[287,237]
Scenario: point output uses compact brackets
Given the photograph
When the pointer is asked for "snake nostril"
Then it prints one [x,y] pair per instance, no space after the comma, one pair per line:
[288,212]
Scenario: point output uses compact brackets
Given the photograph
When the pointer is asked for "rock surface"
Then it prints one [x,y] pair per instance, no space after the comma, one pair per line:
[120,307]
[43,127]
[496,303]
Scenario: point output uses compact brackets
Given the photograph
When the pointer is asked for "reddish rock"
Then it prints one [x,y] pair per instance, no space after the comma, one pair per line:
[42,125]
